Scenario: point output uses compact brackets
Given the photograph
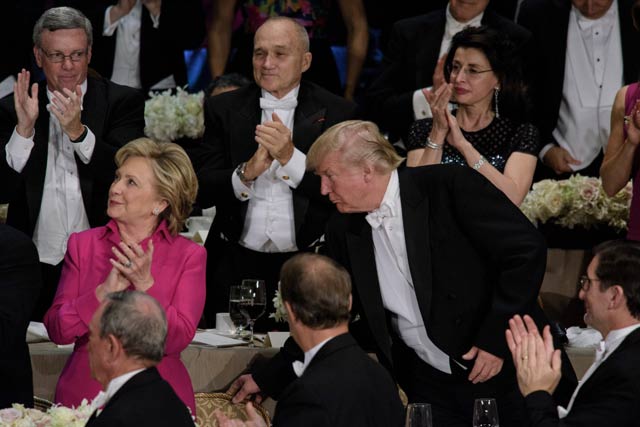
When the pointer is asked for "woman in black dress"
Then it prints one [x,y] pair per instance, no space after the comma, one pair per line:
[488,131]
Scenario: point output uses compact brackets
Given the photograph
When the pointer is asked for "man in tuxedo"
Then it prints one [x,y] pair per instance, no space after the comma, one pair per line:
[440,260]
[584,52]
[20,283]
[59,140]
[141,43]
[126,341]
[414,61]
[256,137]
[609,392]
[337,384]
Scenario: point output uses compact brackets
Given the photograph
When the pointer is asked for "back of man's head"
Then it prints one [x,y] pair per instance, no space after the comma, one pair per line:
[318,290]
[138,321]
[62,18]
[619,264]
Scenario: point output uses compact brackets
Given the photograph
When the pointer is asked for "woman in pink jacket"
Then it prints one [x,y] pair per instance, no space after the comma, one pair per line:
[149,200]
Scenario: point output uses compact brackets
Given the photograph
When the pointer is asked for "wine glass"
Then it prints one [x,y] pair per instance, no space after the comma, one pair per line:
[485,413]
[253,303]
[235,299]
[418,415]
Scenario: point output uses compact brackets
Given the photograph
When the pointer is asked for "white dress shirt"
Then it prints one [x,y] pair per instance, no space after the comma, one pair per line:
[300,367]
[593,74]
[269,223]
[394,277]
[102,398]
[126,61]
[421,108]
[62,209]
[6,86]
[604,350]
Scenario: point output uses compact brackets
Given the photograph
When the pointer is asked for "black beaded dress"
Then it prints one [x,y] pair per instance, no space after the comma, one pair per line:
[496,142]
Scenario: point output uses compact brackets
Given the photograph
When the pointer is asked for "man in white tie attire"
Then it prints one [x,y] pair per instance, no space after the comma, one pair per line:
[609,392]
[253,154]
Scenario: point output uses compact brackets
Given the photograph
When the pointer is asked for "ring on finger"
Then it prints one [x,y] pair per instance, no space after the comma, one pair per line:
[626,120]
[525,357]
[128,264]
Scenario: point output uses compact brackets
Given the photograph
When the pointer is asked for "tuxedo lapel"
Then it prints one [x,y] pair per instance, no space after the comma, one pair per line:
[415,218]
[365,278]
[138,380]
[309,118]
[243,127]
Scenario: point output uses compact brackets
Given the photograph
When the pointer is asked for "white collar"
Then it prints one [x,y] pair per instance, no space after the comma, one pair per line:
[292,94]
[453,24]
[615,337]
[389,203]
[117,383]
[300,367]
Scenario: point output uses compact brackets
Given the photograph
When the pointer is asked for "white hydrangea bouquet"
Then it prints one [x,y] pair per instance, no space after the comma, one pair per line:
[577,201]
[56,416]
[280,314]
[169,117]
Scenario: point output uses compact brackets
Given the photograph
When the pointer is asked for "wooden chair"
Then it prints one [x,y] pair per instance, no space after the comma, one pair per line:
[207,403]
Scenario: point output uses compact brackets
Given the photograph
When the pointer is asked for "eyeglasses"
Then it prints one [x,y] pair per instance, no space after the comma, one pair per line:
[584,283]
[58,57]
[471,72]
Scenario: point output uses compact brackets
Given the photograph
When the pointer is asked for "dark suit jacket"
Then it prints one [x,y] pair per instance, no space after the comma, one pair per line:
[548,21]
[162,49]
[20,283]
[409,62]
[611,396]
[145,400]
[114,113]
[341,387]
[475,260]
[230,122]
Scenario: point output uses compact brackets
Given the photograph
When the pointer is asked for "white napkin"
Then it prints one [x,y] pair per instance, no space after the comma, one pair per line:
[213,339]
[37,332]
[583,337]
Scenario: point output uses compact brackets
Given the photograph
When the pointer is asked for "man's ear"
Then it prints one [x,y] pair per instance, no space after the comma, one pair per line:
[306,61]
[290,315]
[114,347]
[617,298]
[350,302]
[37,53]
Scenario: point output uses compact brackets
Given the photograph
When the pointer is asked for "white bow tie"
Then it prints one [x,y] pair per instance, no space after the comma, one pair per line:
[376,218]
[298,368]
[278,104]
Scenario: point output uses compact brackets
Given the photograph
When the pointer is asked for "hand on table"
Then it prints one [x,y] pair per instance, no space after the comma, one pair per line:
[244,387]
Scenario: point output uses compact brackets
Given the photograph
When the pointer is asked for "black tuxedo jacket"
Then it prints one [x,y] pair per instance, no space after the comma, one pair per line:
[20,284]
[114,113]
[230,122]
[341,387]
[409,62]
[475,261]
[610,396]
[548,21]
[162,49]
[145,400]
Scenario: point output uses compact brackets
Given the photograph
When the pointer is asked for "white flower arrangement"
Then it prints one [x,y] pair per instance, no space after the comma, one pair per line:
[577,201]
[169,117]
[56,416]
[280,314]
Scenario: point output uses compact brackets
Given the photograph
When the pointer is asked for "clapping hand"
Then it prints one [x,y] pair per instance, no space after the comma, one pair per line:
[276,138]
[115,282]
[134,264]
[632,125]
[26,106]
[537,362]
[438,73]
[67,108]
[438,100]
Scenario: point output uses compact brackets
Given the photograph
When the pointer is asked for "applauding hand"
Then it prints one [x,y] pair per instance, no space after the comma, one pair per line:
[26,106]
[134,264]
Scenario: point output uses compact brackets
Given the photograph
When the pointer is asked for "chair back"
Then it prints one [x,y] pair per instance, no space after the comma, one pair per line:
[207,403]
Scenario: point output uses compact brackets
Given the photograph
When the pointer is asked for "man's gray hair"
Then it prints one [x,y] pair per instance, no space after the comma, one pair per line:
[138,321]
[62,18]
[303,35]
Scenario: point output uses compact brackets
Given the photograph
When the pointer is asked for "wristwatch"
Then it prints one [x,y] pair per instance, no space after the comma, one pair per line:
[240,172]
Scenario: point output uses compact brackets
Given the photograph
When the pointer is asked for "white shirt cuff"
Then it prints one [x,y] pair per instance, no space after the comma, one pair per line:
[293,172]
[84,148]
[242,192]
[18,150]
[421,108]
[109,28]
[544,151]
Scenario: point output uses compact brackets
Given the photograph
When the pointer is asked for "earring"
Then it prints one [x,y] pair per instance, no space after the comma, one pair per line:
[496,92]
[156,211]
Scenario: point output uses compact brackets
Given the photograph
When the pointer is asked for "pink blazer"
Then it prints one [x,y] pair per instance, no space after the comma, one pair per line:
[178,268]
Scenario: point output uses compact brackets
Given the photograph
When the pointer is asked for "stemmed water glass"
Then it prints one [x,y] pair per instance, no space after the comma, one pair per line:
[235,301]
[418,415]
[253,302]
[485,413]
